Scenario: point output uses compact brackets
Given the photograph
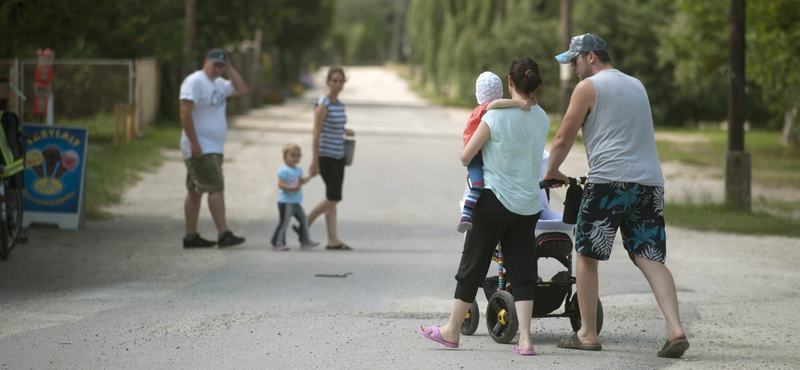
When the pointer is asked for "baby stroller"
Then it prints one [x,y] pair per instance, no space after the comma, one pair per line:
[555,242]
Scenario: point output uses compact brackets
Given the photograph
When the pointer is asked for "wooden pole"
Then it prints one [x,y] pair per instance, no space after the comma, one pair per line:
[737,161]
[188,36]
[116,125]
[129,128]
[565,74]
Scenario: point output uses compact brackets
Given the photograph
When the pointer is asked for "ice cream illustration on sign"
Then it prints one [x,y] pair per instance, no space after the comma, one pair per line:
[69,161]
[51,162]
[34,160]
[52,159]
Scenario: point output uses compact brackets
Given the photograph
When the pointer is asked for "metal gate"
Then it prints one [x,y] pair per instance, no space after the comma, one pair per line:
[81,88]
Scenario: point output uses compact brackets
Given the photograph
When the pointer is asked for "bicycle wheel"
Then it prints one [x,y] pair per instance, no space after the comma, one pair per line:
[10,229]
[5,247]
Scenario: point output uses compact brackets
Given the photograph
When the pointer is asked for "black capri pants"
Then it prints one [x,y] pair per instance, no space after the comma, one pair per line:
[332,172]
[494,223]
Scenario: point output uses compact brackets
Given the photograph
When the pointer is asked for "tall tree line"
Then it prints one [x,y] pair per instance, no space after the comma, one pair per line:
[678,49]
[128,29]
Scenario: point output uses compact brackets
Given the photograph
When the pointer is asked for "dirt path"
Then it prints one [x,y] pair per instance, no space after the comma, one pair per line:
[124,294]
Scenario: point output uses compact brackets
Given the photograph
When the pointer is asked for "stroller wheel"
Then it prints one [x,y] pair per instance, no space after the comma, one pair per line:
[470,324]
[575,318]
[501,317]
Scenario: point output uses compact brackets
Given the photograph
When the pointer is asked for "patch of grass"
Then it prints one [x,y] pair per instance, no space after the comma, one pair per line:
[109,170]
[771,163]
[721,218]
[101,127]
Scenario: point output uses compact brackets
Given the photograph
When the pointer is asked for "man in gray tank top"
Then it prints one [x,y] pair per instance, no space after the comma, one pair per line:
[625,190]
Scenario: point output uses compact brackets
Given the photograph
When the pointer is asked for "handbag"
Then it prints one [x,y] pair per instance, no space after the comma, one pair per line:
[349,149]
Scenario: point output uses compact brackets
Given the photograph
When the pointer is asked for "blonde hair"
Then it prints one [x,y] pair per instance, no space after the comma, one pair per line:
[288,148]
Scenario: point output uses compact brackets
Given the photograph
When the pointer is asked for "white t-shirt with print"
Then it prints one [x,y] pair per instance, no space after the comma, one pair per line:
[210,99]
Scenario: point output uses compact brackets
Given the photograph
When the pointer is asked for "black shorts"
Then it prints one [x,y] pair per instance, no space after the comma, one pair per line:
[332,172]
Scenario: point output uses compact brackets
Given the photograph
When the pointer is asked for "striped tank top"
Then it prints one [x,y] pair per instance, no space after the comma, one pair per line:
[331,139]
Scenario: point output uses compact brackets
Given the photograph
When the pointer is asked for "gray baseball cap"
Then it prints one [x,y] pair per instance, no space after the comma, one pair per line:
[217,55]
[581,44]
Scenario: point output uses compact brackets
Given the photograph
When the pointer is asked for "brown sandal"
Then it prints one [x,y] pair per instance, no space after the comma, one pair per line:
[674,349]
[572,342]
[340,247]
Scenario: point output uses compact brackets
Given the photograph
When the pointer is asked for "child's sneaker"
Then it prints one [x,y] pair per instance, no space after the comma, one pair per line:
[280,248]
[308,245]
[464,225]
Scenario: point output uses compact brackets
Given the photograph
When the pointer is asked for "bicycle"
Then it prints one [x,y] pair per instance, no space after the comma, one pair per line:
[12,150]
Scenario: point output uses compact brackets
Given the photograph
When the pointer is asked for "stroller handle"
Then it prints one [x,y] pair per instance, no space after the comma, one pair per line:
[572,181]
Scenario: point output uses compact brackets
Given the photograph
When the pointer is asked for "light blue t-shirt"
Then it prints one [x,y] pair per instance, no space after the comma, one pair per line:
[512,157]
[291,176]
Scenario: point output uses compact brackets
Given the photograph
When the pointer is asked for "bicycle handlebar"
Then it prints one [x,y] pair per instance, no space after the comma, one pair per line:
[572,181]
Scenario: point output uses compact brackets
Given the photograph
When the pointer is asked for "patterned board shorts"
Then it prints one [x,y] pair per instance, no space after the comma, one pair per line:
[635,209]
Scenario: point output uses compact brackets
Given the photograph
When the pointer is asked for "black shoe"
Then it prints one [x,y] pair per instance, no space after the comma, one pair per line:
[197,242]
[227,239]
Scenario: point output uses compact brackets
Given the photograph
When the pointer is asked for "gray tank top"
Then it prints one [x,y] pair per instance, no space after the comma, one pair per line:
[618,133]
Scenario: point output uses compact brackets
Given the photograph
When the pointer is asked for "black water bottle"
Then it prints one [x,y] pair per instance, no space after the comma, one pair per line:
[572,204]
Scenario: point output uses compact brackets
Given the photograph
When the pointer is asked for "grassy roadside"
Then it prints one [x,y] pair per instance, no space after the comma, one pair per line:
[110,170]
[772,165]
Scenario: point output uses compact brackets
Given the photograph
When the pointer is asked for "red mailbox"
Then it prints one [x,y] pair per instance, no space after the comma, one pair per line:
[43,81]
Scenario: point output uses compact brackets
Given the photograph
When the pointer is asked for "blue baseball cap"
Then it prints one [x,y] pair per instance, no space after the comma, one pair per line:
[581,44]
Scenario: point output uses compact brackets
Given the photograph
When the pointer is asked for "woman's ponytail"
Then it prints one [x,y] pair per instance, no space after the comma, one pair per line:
[525,74]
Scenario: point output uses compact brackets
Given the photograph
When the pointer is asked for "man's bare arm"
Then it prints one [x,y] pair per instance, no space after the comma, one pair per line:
[239,87]
[187,122]
[580,105]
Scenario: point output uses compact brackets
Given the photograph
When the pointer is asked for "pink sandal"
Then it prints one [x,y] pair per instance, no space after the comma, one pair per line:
[432,333]
[524,353]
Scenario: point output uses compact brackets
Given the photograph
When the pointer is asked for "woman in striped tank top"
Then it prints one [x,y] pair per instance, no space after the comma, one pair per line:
[328,153]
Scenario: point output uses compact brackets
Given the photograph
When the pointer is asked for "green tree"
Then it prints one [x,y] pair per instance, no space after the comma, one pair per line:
[775,39]
[631,28]
[303,25]
[132,29]
[26,25]
[361,33]
[454,41]
[696,44]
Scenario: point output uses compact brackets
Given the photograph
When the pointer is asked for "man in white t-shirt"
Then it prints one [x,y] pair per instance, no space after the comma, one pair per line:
[203,98]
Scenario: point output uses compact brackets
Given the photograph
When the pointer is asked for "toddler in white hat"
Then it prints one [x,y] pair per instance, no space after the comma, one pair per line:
[488,91]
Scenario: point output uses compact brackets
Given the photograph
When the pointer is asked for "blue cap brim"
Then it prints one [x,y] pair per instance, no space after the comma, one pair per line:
[566,57]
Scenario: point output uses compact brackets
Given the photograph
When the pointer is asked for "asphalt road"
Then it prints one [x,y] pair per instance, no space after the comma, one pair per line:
[123,294]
